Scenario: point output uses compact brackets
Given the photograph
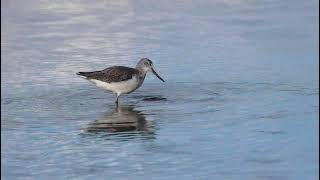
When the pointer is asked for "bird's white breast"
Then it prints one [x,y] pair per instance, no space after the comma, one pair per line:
[118,87]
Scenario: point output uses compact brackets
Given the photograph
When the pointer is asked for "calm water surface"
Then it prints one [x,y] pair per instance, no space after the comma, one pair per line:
[240,99]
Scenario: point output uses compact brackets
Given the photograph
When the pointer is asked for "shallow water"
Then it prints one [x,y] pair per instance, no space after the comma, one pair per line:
[240,99]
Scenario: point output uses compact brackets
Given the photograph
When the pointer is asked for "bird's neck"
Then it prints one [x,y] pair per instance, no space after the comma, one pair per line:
[142,71]
[142,74]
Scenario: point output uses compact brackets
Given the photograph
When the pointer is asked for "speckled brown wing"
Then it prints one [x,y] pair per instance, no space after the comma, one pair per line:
[111,74]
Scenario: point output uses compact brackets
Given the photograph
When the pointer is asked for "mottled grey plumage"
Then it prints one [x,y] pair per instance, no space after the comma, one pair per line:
[120,79]
[111,74]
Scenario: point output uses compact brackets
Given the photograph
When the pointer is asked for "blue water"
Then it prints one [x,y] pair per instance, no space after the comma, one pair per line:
[240,99]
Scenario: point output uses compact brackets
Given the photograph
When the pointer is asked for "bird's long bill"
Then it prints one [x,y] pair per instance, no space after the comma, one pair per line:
[155,73]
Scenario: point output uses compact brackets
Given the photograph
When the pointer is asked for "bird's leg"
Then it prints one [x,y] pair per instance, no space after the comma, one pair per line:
[117,99]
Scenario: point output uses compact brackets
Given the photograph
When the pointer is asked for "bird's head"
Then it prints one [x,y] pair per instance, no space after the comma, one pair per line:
[146,65]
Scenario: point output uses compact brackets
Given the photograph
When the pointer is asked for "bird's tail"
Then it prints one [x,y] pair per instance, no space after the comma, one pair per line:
[81,73]
[84,74]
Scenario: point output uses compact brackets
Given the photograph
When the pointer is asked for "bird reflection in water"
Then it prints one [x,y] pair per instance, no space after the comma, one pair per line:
[122,119]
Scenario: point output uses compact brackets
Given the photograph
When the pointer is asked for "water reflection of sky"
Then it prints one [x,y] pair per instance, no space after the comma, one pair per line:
[65,37]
